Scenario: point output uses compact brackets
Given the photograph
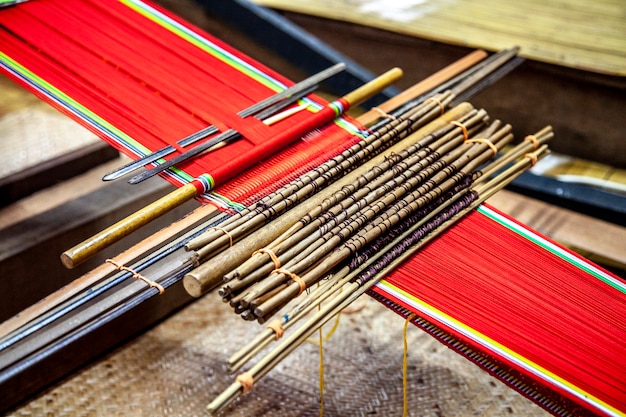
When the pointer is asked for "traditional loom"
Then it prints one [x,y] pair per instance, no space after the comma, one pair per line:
[550,372]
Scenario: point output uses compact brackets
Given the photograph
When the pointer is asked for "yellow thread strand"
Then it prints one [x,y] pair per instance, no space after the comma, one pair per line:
[463,129]
[321,349]
[137,275]
[294,277]
[532,139]
[330,332]
[277,328]
[246,380]
[439,103]
[486,142]
[384,114]
[220,229]
[533,158]
[405,407]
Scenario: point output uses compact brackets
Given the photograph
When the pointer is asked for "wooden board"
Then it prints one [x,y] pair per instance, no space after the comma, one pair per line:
[577,34]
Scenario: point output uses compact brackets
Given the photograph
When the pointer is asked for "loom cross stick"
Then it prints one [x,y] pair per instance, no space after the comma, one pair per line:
[296,91]
[124,227]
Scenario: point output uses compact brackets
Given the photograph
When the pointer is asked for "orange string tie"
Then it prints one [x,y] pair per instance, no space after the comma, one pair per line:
[219,229]
[294,277]
[532,157]
[532,139]
[384,113]
[277,328]
[137,275]
[463,128]
[439,103]
[486,142]
[246,380]
[271,254]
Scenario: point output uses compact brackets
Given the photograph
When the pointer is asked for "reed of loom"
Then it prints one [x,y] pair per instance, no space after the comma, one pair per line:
[367,275]
[396,203]
[112,234]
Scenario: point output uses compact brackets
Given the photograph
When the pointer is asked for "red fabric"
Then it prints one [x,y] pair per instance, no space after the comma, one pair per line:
[150,83]
[518,294]
[158,88]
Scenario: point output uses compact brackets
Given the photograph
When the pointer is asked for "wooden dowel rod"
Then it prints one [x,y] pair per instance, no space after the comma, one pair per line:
[425,85]
[86,249]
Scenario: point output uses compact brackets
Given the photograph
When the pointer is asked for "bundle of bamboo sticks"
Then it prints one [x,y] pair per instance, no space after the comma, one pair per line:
[343,225]
[395,204]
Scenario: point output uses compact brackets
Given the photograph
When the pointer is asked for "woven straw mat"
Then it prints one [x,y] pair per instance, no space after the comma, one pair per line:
[177,368]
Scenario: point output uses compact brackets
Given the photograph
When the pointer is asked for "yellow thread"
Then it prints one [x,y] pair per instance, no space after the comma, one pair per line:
[463,128]
[246,380]
[439,103]
[486,142]
[277,328]
[294,277]
[321,349]
[532,139]
[354,307]
[271,254]
[405,407]
[230,237]
[384,113]
[137,275]
[532,157]
[330,332]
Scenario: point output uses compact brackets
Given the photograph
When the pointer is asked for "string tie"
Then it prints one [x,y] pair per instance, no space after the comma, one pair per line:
[294,277]
[221,229]
[486,142]
[439,103]
[532,139]
[463,129]
[271,254]
[532,157]
[277,328]
[137,275]
[246,380]
[384,114]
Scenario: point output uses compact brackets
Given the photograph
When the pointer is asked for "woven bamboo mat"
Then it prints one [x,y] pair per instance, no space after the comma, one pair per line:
[177,368]
[32,133]
[572,33]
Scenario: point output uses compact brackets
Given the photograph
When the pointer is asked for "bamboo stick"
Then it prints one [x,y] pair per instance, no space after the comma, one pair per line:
[463,165]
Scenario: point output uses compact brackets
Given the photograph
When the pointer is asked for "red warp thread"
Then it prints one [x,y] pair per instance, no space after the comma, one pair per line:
[528,300]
